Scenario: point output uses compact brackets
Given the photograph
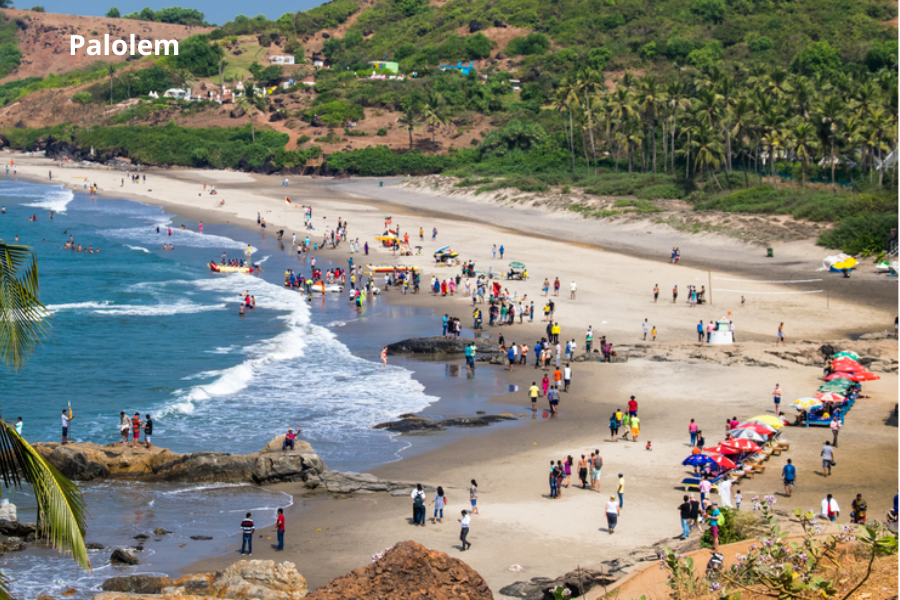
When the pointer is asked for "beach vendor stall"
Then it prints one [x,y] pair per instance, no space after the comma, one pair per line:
[722,335]
[517,270]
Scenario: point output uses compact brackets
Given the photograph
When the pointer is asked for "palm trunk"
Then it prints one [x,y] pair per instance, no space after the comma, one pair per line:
[584,149]
[746,177]
[653,141]
[591,131]
[665,149]
[674,132]
[721,189]
[881,170]
[772,159]
[571,140]
[833,187]
[410,139]
[727,151]
[687,165]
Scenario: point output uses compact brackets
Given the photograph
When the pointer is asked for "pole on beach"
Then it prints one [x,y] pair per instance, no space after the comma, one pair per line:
[709,274]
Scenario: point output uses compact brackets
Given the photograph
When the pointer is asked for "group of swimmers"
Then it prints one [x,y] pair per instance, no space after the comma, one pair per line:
[71,245]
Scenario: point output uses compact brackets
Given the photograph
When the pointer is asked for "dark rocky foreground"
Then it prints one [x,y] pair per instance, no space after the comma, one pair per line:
[436,345]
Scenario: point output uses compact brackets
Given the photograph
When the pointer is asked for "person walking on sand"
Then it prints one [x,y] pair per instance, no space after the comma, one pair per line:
[713,514]
[583,471]
[612,514]
[674,294]
[776,397]
[655,292]
[830,508]
[835,430]
[626,425]
[692,429]
[501,250]
[418,498]
[789,476]
[596,468]
[700,331]
[247,529]
[685,510]
[572,289]
[439,502]
[567,378]
[533,393]
[464,530]
[613,428]
[473,497]
[827,459]
[635,428]
[653,334]
[279,527]
[780,334]
[646,327]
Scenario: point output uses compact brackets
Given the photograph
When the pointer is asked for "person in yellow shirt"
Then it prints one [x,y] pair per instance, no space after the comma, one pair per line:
[533,393]
[653,334]
[635,428]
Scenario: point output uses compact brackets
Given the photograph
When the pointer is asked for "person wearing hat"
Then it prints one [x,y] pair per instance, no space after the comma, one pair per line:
[288,440]
[712,515]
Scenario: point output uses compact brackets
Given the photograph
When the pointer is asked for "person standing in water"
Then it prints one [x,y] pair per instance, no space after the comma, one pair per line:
[384,352]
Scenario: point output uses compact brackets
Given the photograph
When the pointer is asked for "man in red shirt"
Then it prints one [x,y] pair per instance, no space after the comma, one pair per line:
[632,407]
[279,525]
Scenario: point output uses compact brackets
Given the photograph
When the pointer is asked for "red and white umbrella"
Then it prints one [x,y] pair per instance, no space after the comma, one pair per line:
[757,427]
[744,445]
[847,364]
[829,397]
[748,434]
[723,462]
[863,376]
[722,449]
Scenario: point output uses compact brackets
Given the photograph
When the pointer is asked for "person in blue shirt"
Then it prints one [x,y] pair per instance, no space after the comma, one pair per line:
[444,320]
[502,250]
[511,354]
[713,515]
[700,331]
[788,475]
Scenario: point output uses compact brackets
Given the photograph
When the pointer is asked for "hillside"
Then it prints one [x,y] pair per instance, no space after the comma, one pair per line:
[43,39]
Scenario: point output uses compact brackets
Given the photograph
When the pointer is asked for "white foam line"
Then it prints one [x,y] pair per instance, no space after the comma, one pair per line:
[770,293]
[778,281]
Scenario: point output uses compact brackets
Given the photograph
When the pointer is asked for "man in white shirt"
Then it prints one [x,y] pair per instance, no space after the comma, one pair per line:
[646,327]
[464,529]
[830,508]
[19,425]
[573,289]
[567,377]
[827,458]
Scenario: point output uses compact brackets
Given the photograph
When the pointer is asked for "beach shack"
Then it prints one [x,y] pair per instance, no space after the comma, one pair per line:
[387,65]
[722,335]
[464,69]
[281,59]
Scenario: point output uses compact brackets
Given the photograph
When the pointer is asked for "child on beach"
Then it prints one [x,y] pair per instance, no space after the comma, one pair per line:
[737,498]
[648,446]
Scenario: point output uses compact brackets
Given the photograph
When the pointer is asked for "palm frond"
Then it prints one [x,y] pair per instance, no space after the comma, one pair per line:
[21,313]
[61,511]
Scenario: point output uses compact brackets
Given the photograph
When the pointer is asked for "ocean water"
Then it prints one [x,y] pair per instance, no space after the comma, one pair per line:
[136,328]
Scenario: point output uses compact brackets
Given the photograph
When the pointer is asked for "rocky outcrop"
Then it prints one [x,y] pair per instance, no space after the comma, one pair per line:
[541,588]
[441,345]
[86,462]
[245,579]
[408,422]
[409,570]
[336,482]
[124,556]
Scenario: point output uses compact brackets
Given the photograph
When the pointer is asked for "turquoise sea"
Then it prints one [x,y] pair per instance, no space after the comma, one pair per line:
[137,328]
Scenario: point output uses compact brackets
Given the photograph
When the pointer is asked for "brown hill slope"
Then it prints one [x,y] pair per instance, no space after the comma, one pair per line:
[44,39]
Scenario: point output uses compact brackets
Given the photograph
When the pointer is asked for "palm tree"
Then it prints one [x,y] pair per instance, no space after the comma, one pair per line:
[249,102]
[621,110]
[111,71]
[60,507]
[564,97]
[803,140]
[652,98]
[831,112]
[588,83]
[433,114]
[741,120]
[677,100]
[409,118]
[707,149]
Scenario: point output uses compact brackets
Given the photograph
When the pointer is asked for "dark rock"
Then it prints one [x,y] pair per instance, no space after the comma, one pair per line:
[141,537]
[500,56]
[440,345]
[17,528]
[409,423]
[136,584]
[159,531]
[325,36]
[237,113]
[94,546]
[541,588]
[11,544]
[317,121]
[499,23]
[475,25]
[201,538]
[123,556]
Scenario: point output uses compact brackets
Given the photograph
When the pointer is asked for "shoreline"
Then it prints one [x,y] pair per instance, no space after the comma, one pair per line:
[518,525]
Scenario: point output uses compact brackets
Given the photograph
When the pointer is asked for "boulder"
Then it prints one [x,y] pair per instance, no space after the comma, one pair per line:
[17,529]
[475,25]
[85,462]
[278,440]
[408,423]
[441,345]
[405,569]
[541,588]
[94,546]
[347,483]
[245,579]
[136,584]
[237,113]
[8,512]
[201,538]
[159,532]
[11,544]
[123,556]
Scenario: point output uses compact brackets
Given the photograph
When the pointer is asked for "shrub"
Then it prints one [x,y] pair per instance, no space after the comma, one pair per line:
[533,43]
[662,191]
[711,11]
[382,131]
[818,57]
[761,44]
[198,56]
[379,161]
[864,234]
[478,46]
[599,57]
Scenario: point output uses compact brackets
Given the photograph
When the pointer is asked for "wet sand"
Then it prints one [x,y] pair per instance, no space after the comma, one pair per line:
[518,524]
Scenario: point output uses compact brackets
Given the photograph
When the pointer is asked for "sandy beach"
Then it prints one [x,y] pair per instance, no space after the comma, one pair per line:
[615,268]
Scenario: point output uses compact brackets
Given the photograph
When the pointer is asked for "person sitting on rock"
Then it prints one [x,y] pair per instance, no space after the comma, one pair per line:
[288,440]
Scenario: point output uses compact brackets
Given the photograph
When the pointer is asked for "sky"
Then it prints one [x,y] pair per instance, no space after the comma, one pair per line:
[216,11]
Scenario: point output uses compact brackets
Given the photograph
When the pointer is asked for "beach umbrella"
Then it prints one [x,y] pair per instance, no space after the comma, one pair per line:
[806,403]
[516,265]
[830,387]
[846,364]
[722,449]
[697,460]
[768,420]
[759,428]
[830,397]
[839,380]
[747,434]
[723,462]
[847,263]
[847,354]
[768,426]
[744,445]
[864,376]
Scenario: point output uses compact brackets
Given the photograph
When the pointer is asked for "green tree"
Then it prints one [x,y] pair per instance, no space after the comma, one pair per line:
[410,117]
[113,13]
[83,98]
[199,56]
[707,150]
[803,141]
[478,46]
[434,115]
[818,57]
[598,58]
[711,11]
[111,71]
[249,102]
